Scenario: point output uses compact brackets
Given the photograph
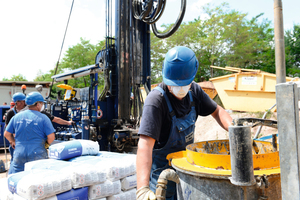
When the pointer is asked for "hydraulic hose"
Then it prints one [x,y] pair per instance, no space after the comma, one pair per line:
[139,13]
[157,12]
[149,14]
[174,27]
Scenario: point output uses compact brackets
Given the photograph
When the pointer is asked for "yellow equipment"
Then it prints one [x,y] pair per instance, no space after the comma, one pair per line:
[70,92]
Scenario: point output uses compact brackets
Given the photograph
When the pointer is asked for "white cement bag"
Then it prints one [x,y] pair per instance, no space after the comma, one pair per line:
[85,174]
[39,184]
[74,194]
[128,182]
[74,148]
[121,168]
[5,194]
[108,154]
[50,164]
[108,188]
[117,165]
[81,174]
[127,195]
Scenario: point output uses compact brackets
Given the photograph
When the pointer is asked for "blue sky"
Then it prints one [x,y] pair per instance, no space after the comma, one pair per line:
[32,31]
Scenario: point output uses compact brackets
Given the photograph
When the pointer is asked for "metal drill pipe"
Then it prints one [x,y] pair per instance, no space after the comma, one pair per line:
[279,42]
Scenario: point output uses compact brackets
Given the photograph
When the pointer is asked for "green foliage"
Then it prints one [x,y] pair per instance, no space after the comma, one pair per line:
[292,51]
[18,77]
[158,50]
[80,55]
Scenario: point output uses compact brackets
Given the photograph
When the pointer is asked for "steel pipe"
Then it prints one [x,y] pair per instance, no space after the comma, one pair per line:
[279,43]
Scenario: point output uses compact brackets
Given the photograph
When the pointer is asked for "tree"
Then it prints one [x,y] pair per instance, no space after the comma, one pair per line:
[225,38]
[18,77]
[158,50]
[79,55]
[292,50]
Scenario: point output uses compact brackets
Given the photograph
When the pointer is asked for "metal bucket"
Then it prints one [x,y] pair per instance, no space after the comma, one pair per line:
[193,187]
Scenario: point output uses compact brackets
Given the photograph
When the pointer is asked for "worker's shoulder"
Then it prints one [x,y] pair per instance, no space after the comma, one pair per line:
[31,113]
[154,98]
[10,112]
[196,90]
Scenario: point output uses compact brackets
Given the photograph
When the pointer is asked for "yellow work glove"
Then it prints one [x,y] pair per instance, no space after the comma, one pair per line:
[144,193]
[47,145]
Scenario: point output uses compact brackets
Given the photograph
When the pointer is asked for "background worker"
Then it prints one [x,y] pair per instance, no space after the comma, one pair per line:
[19,104]
[169,115]
[12,104]
[19,100]
[32,130]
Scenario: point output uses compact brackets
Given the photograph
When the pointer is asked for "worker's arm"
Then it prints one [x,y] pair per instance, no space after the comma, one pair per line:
[222,117]
[143,168]
[50,138]
[61,121]
[9,136]
[144,160]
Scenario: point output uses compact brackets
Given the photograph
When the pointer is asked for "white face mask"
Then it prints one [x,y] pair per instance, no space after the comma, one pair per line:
[180,91]
[43,107]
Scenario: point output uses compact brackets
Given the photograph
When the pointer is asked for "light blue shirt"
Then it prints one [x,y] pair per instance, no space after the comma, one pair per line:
[21,121]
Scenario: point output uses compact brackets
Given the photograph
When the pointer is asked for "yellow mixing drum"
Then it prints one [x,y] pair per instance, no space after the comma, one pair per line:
[205,169]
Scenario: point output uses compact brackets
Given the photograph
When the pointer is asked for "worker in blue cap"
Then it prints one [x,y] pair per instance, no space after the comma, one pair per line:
[19,101]
[169,115]
[32,130]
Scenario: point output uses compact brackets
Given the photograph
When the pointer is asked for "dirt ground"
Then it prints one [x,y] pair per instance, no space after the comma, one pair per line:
[206,129]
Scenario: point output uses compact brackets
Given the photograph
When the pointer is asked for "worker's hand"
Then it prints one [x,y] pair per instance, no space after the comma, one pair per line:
[144,193]
[47,145]
[70,123]
[13,145]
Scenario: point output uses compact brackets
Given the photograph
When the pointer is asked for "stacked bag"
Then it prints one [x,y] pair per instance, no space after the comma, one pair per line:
[77,170]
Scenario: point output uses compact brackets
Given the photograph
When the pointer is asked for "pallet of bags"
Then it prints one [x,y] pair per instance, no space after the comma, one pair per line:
[39,184]
[81,174]
[108,188]
[74,148]
[78,194]
[126,195]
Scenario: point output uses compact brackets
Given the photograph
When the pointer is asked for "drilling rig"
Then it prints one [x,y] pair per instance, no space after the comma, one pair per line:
[112,116]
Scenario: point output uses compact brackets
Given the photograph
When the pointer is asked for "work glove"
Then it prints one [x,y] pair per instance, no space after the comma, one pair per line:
[144,193]
[47,145]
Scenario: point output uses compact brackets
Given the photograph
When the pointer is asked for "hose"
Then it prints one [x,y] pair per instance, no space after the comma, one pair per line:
[157,12]
[139,13]
[164,177]
[174,27]
[150,12]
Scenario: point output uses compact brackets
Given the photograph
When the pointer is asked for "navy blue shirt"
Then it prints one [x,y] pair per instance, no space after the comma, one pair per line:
[156,119]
